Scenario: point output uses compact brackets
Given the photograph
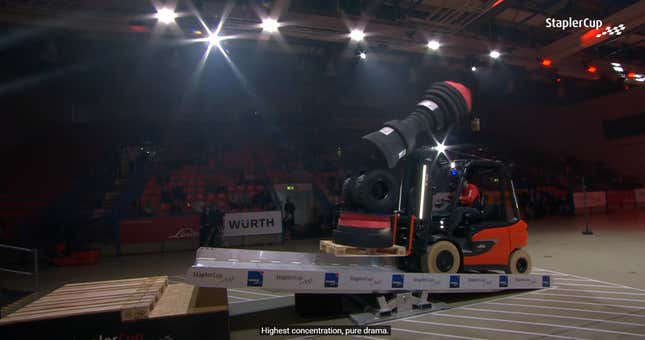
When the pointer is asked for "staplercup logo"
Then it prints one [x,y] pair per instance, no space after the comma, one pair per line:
[397,281]
[503,281]
[454,281]
[546,281]
[254,279]
[331,280]
[566,23]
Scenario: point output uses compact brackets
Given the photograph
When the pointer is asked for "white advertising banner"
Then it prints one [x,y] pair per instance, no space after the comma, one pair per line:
[252,223]
[593,199]
[640,195]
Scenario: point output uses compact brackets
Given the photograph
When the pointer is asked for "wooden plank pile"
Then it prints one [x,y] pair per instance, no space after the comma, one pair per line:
[134,299]
[335,249]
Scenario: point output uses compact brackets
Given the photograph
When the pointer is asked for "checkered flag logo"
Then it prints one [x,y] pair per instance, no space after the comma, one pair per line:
[612,30]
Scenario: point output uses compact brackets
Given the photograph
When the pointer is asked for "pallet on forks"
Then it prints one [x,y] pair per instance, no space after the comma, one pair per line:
[329,247]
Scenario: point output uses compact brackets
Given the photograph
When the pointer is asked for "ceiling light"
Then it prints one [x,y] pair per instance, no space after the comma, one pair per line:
[494,54]
[473,68]
[166,15]
[270,25]
[357,35]
[363,55]
[214,39]
[434,45]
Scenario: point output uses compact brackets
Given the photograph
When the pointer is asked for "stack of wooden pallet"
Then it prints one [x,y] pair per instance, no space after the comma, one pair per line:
[134,299]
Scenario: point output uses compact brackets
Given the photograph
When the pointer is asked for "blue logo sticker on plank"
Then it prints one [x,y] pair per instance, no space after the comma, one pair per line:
[546,281]
[503,281]
[254,279]
[331,280]
[454,281]
[397,281]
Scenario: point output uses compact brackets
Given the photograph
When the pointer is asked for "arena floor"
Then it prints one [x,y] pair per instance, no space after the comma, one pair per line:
[598,293]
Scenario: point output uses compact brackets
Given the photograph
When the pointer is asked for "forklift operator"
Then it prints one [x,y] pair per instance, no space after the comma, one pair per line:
[467,201]
[469,194]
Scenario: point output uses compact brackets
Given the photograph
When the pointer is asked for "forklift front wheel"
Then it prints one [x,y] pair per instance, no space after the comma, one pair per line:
[519,262]
[441,257]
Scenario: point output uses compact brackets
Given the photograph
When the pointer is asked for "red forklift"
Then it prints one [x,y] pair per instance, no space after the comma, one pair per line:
[414,209]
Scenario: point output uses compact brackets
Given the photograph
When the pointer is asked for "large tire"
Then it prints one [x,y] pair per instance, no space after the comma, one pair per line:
[441,257]
[519,262]
[376,191]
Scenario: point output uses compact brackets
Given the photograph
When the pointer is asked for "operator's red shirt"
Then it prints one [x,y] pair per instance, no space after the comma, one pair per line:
[469,195]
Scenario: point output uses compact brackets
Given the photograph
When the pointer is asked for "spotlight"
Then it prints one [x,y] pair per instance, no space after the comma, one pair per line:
[592,69]
[494,54]
[363,55]
[440,148]
[270,25]
[434,45]
[166,15]
[473,68]
[546,62]
[357,35]
[214,39]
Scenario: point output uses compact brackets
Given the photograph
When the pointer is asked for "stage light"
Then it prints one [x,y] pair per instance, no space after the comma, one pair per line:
[615,64]
[631,75]
[363,55]
[473,68]
[270,25]
[619,69]
[214,39]
[166,15]
[592,69]
[357,35]
[494,54]
[640,79]
[434,45]
[440,148]
[453,165]
[546,62]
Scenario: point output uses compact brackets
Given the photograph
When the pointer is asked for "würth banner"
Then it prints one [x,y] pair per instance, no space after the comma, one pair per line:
[252,223]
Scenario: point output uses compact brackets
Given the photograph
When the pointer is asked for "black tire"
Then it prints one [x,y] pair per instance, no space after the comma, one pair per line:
[519,262]
[363,237]
[441,257]
[376,191]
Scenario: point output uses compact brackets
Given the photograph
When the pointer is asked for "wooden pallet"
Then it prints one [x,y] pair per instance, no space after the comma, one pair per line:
[134,299]
[330,247]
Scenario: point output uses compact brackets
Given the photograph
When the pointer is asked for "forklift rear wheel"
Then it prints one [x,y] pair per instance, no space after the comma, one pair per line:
[441,257]
[519,262]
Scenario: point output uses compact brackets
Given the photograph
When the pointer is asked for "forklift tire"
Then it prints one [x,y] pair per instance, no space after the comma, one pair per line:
[519,262]
[442,258]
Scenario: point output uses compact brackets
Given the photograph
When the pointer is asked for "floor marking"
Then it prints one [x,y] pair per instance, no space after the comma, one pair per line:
[590,297]
[252,292]
[587,329]
[599,291]
[254,300]
[490,329]
[239,298]
[568,309]
[435,334]
[556,316]
[605,282]
[583,285]
[579,303]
